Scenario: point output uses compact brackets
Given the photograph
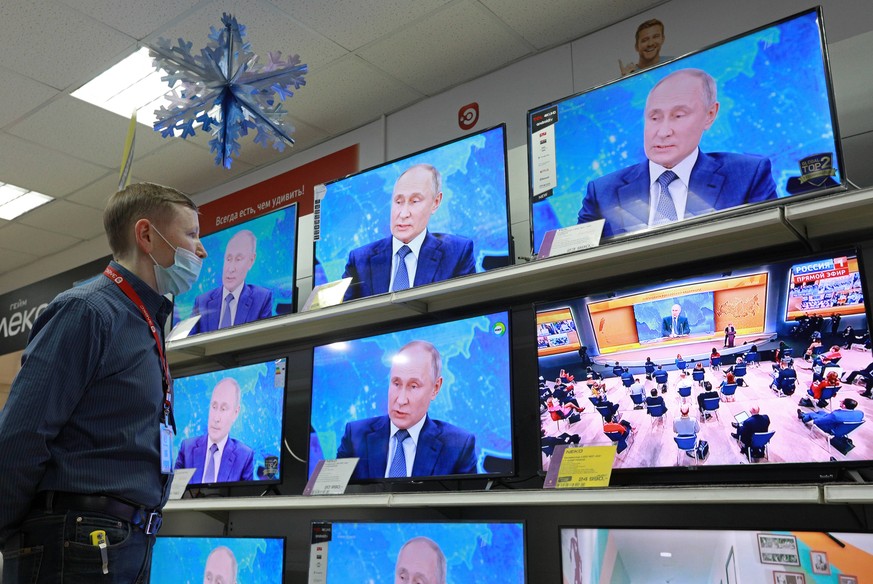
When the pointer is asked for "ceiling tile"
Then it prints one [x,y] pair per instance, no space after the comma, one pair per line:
[97,193]
[137,19]
[348,94]
[547,23]
[853,83]
[19,95]
[66,218]
[458,43]
[353,24]
[10,260]
[36,241]
[186,167]
[90,133]
[267,29]
[55,44]
[26,164]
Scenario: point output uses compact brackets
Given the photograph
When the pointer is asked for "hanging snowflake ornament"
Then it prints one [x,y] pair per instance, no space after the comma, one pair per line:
[225,90]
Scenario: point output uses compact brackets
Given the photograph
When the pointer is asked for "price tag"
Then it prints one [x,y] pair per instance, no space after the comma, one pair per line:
[331,477]
[580,467]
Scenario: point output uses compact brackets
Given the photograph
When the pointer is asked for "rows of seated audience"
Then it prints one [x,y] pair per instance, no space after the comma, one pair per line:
[819,407]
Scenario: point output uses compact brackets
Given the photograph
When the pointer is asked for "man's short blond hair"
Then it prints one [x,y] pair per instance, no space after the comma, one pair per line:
[156,203]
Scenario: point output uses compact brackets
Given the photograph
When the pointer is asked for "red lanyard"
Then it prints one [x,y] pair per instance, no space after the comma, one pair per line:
[128,290]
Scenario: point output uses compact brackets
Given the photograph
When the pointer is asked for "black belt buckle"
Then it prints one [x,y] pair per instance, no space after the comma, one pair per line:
[153,523]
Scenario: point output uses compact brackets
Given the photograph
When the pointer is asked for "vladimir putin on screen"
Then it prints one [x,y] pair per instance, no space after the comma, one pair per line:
[235,301]
[678,180]
[412,255]
[407,442]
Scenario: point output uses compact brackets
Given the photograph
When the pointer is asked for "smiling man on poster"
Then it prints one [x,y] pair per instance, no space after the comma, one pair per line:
[678,180]
[413,442]
[412,255]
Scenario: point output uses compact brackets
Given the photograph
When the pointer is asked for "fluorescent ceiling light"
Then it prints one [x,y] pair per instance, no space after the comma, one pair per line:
[15,201]
[132,84]
[666,555]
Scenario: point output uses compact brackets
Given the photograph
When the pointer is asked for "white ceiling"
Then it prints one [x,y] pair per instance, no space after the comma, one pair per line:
[366,58]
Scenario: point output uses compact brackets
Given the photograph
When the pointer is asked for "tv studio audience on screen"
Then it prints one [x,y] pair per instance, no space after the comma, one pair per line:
[235,301]
[756,422]
[685,425]
[622,429]
[411,255]
[708,392]
[654,399]
[674,183]
[784,377]
[817,388]
[215,455]
[867,375]
[639,389]
[830,421]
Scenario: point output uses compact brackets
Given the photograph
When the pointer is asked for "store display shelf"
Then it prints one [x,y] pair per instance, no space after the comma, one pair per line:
[860,493]
[744,494]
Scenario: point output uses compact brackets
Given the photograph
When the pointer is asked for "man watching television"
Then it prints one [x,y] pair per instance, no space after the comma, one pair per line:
[678,180]
[412,255]
[217,457]
[234,302]
[407,442]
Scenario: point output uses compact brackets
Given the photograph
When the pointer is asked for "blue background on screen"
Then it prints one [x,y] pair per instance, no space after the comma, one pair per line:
[698,308]
[259,424]
[476,553]
[350,382]
[273,267]
[774,102]
[181,560]
[357,210]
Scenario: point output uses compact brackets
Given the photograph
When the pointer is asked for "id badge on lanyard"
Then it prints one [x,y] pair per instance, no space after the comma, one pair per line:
[167,423]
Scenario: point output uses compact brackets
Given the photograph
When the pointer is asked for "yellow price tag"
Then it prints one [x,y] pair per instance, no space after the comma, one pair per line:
[586,467]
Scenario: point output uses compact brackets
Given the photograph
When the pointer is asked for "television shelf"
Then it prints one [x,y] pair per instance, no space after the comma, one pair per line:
[837,216]
[741,494]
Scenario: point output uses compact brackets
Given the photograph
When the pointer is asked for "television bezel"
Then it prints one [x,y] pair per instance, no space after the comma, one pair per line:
[727,474]
[521,522]
[295,298]
[254,482]
[724,213]
[281,538]
[509,242]
[395,328]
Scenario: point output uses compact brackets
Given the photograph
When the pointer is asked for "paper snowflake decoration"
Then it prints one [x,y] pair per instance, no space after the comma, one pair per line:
[224,89]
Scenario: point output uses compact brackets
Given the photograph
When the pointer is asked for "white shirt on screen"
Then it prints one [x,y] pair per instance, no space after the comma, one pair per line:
[678,188]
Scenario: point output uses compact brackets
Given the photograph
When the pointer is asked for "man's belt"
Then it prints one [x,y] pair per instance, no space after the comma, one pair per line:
[148,520]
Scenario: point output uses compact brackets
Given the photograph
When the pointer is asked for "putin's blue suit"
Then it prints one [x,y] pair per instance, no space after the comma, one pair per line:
[442,450]
[719,180]
[442,256]
[254,304]
[237,460]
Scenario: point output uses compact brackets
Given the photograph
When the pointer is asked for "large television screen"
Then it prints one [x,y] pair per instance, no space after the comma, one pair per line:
[447,206]
[743,122]
[810,310]
[443,391]
[456,552]
[248,274]
[229,424]
[218,560]
[692,556]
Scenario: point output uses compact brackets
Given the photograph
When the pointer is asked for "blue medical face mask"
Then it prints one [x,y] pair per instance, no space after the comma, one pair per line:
[178,278]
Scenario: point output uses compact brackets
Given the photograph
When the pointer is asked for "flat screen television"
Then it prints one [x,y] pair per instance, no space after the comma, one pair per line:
[449,203]
[466,552]
[240,411]
[255,262]
[446,384]
[253,560]
[760,314]
[691,556]
[772,135]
